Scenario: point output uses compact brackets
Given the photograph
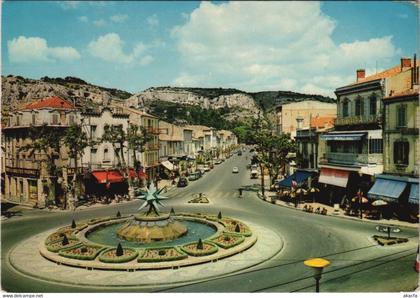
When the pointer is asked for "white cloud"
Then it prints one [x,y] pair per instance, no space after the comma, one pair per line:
[119,18]
[287,48]
[109,48]
[153,21]
[84,19]
[99,23]
[68,4]
[35,49]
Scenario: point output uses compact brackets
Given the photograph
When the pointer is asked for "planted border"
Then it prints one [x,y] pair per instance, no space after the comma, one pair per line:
[162,254]
[228,240]
[56,246]
[109,255]
[209,248]
[383,241]
[231,224]
[79,253]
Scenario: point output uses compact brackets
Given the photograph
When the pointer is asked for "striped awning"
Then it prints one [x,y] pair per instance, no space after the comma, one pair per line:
[334,177]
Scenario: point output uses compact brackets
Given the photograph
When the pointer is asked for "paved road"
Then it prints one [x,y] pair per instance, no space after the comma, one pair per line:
[358,265]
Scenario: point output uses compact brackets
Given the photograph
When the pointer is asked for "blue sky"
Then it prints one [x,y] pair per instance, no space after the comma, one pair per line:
[311,47]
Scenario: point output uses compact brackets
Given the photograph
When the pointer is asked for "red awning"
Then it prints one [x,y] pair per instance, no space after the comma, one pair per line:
[141,174]
[334,177]
[112,176]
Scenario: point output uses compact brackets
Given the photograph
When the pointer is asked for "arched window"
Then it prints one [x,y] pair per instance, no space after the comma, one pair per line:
[372,104]
[345,107]
[359,106]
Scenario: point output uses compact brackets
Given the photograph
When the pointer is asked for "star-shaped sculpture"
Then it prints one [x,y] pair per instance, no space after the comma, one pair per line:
[152,198]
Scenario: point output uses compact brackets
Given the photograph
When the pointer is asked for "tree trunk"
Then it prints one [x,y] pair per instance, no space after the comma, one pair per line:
[262,180]
[126,167]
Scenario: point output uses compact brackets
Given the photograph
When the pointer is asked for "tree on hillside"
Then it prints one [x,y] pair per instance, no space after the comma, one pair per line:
[76,141]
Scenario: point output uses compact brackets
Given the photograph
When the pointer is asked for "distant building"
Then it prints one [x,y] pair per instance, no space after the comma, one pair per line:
[286,114]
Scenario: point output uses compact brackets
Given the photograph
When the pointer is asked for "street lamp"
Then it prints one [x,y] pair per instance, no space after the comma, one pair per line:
[318,264]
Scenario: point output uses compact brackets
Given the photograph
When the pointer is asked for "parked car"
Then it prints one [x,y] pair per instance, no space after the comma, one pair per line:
[239,153]
[218,162]
[194,176]
[254,172]
[182,182]
[206,168]
[235,170]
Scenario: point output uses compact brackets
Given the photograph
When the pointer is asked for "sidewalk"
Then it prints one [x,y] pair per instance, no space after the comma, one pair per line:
[271,197]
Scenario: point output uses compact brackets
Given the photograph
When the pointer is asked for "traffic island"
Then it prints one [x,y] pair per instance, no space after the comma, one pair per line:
[384,241]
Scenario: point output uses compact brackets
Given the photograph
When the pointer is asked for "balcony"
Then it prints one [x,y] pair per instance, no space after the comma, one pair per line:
[153,147]
[344,158]
[25,170]
[354,120]
[153,130]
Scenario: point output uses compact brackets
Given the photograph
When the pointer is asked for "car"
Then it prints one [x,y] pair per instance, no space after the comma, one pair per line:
[182,182]
[235,170]
[239,153]
[217,162]
[206,168]
[194,176]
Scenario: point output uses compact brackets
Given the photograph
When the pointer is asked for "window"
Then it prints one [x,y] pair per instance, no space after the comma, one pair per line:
[401,151]
[359,106]
[93,155]
[71,119]
[18,120]
[345,108]
[33,118]
[54,118]
[106,155]
[401,116]
[93,132]
[372,104]
[375,146]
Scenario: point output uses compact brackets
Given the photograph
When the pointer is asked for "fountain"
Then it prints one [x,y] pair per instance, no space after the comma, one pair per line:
[152,226]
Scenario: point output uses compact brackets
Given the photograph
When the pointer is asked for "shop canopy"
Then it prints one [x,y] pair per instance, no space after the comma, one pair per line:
[342,136]
[114,176]
[413,198]
[387,189]
[299,176]
[167,164]
[334,177]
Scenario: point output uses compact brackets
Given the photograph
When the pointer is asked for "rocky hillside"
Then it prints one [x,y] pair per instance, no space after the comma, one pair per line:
[17,91]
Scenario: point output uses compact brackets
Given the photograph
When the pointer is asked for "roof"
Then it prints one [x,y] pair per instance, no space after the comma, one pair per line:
[405,93]
[53,102]
[134,111]
[323,121]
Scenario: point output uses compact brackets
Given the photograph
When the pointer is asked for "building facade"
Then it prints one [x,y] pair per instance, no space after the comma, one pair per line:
[287,114]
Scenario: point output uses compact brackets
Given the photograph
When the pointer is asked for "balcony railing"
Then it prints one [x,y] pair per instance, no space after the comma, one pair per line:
[153,130]
[353,120]
[153,147]
[344,158]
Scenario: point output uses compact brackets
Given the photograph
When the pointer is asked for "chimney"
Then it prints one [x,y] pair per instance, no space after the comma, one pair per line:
[405,63]
[360,74]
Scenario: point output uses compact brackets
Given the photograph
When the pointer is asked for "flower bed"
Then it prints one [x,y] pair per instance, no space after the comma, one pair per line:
[55,246]
[110,255]
[162,254]
[389,241]
[232,225]
[59,236]
[228,240]
[191,249]
[82,252]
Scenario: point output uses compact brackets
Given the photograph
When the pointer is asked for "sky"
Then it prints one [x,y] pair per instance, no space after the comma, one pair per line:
[310,47]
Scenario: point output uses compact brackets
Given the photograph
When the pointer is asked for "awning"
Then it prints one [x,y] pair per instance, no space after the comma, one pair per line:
[167,164]
[413,198]
[334,177]
[112,176]
[342,137]
[299,176]
[387,189]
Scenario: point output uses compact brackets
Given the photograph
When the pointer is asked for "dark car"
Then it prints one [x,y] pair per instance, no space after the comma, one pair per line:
[239,153]
[194,176]
[182,182]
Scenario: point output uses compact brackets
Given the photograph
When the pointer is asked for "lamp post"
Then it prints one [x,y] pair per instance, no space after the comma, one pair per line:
[318,265]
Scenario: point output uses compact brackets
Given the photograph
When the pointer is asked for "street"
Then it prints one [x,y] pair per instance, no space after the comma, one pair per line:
[357,263]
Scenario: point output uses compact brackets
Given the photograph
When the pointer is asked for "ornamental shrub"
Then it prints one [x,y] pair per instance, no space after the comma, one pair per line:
[219,216]
[65,240]
[237,228]
[119,251]
[118,213]
[73,224]
[200,244]
[172,211]
[161,253]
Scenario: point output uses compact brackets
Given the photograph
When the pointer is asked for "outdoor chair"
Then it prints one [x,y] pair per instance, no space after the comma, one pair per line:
[305,208]
[318,210]
[310,209]
[324,211]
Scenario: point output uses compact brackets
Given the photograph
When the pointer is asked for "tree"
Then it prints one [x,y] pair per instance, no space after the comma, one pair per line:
[76,141]
[45,141]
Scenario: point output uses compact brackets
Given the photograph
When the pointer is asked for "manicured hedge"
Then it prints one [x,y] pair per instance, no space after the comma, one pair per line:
[234,240]
[200,252]
[75,252]
[122,259]
[230,227]
[145,257]
[56,246]
[59,236]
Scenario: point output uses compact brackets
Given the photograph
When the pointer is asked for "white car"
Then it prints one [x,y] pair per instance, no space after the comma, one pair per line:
[206,168]
[235,170]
